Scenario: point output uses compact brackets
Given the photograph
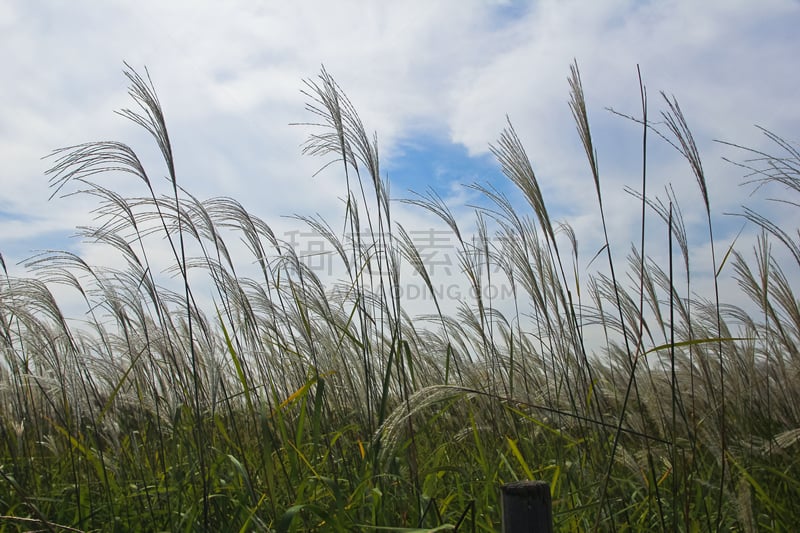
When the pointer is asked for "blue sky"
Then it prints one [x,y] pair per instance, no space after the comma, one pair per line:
[436,80]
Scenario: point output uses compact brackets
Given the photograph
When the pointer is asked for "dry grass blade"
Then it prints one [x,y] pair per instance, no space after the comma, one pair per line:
[676,123]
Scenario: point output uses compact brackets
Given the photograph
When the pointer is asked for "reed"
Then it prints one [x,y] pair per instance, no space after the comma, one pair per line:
[293,402]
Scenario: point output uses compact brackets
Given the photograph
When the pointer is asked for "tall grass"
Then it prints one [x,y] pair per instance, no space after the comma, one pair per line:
[292,402]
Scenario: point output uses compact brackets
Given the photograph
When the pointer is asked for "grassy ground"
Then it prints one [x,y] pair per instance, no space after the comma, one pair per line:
[293,403]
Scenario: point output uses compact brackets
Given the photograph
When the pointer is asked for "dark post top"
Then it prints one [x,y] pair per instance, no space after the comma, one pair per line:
[527,507]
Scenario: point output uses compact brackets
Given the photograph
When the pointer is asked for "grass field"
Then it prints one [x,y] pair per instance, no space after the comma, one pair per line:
[293,403]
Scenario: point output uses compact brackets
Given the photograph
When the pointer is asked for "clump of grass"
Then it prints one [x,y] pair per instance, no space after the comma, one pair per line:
[295,403]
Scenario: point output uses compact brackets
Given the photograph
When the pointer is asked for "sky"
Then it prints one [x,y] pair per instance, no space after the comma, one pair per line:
[438,82]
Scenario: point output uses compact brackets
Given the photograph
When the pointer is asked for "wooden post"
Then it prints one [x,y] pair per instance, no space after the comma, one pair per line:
[527,507]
